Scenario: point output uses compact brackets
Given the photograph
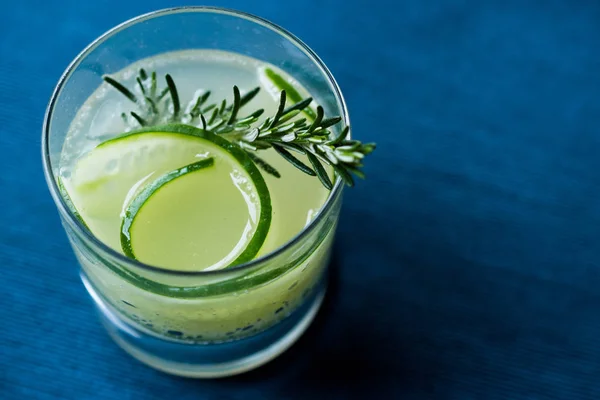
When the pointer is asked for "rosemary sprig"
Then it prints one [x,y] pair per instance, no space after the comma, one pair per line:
[285,132]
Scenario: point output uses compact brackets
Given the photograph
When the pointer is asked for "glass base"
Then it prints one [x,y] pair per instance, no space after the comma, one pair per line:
[207,360]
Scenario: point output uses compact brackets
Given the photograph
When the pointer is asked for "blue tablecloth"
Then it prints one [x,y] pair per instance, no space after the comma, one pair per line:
[468,263]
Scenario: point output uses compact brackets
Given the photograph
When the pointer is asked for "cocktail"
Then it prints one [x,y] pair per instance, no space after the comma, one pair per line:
[197,158]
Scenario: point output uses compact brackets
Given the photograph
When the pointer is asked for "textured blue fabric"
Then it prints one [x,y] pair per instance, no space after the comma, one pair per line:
[467,265]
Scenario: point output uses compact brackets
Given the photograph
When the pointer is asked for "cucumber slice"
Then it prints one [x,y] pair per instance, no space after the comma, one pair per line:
[105,181]
[65,194]
[243,281]
[280,83]
[142,199]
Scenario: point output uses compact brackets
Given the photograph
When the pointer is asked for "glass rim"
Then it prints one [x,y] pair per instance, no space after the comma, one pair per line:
[97,243]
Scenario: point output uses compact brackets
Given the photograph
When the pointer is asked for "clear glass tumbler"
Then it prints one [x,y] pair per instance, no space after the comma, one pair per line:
[198,324]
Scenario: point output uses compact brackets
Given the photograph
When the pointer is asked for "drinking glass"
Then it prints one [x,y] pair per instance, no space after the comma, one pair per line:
[198,324]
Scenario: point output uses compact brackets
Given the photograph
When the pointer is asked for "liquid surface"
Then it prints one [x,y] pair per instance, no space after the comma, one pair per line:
[199,222]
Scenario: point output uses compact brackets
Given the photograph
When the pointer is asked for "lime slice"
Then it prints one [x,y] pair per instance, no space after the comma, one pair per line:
[186,224]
